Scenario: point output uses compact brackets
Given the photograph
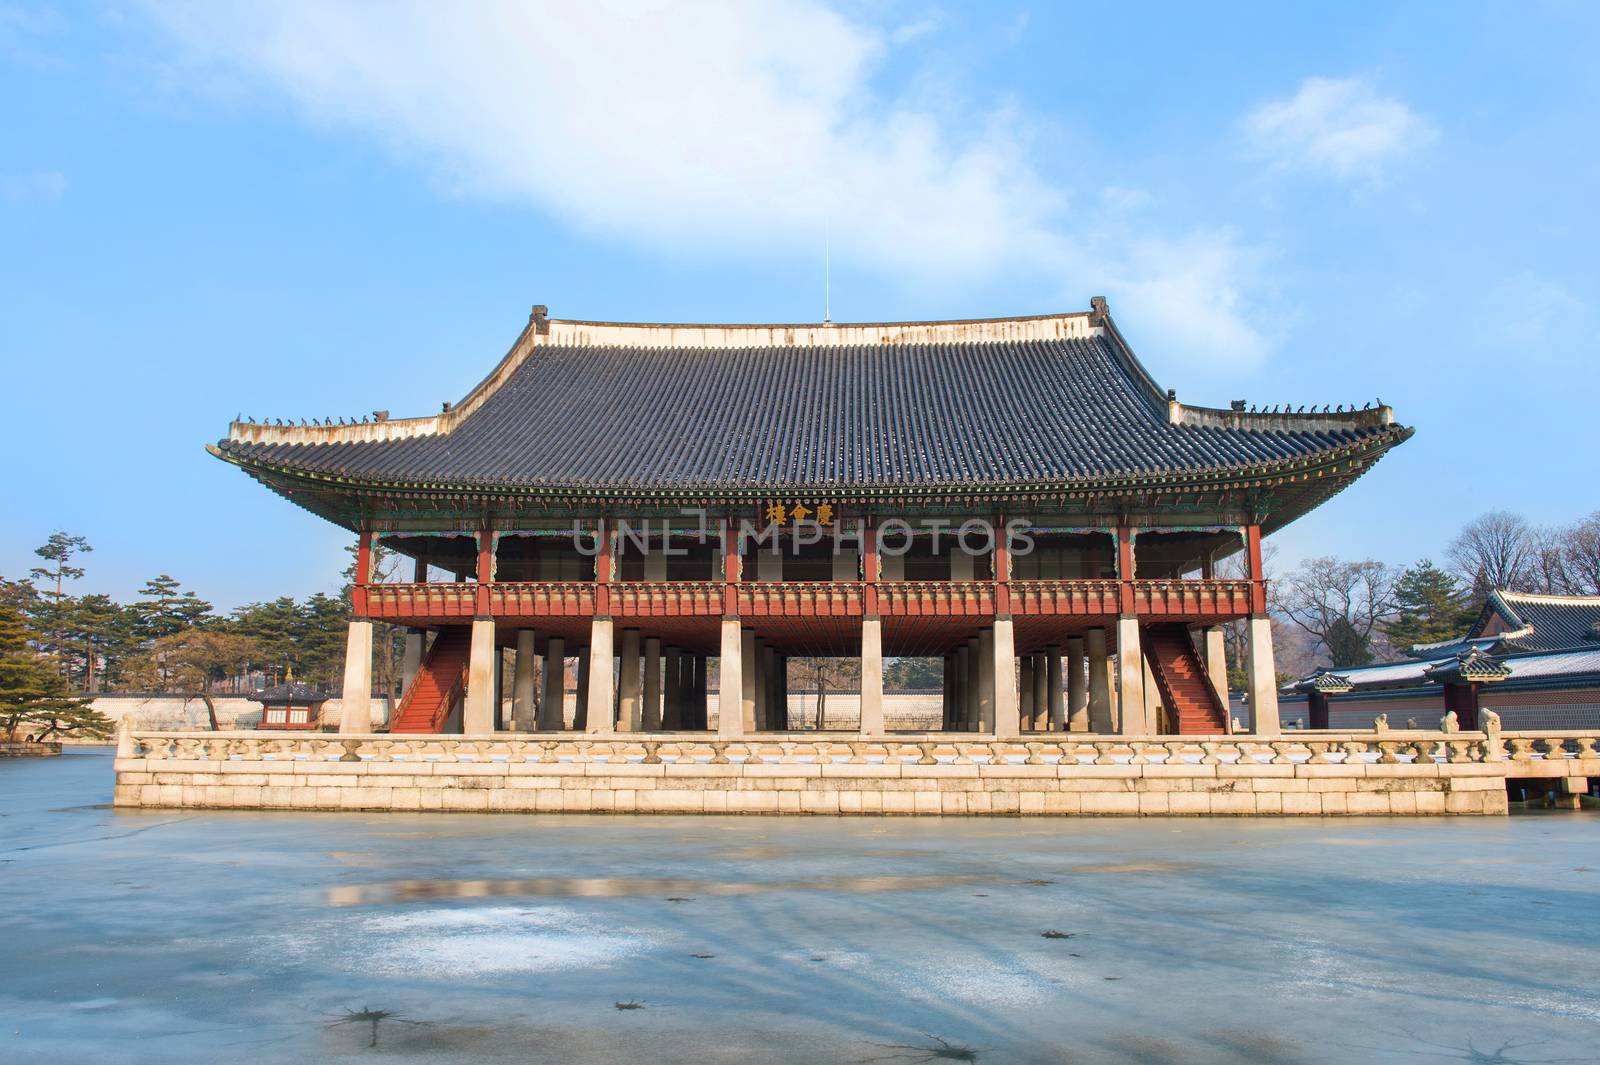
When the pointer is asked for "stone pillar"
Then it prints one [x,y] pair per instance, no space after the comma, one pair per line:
[411,659]
[672,693]
[1056,697]
[355,713]
[1077,686]
[630,682]
[1152,698]
[1216,657]
[523,716]
[580,700]
[1102,721]
[1026,690]
[962,721]
[1041,692]
[749,680]
[986,671]
[477,714]
[732,687]
[650,711]
[761,692]
[701,693]
[552,703]
[1130,678]
[1008,726]
[974,685]
[1263,679]
[775,682]
[872,677]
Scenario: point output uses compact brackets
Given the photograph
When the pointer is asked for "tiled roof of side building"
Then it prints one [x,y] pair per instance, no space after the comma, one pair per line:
[1557,621]
[1015,406]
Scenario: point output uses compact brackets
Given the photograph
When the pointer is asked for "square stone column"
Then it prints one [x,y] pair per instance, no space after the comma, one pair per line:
[1078,685]
[1055,696]
[1130,678]
[672,688]
[355,704]
[411,658]
[580,701]
[775,682]
[1026,691]
[630,683]
[986,673]
[749,677]
[523,714]
[974,684]
[1003,673]
[601,664]
[1102,672]
[961,720]
[650,712]
[1216,658]
[872,677]
[477,713]
[1263,678]
[1041,692]
[552,701]
[1152,698]
[731,688]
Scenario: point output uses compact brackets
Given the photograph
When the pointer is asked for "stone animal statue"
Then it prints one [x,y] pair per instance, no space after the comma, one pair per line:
[1450,723]
[1411,723]
[1380,723]
[1490,719]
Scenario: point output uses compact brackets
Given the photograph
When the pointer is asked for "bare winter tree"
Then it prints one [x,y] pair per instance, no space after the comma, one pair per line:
[1339,604]
[1571,555]
[1495,550]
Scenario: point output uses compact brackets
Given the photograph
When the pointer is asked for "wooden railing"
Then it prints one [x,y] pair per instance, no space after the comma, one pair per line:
[823,599]
[444,603]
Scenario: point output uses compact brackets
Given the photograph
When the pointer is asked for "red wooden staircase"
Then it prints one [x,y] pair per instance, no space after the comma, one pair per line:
[1193,707]
[439,683]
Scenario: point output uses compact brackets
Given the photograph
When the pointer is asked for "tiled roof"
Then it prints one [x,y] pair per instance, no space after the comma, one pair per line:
[1557,621]
[1053,411]
[291,693]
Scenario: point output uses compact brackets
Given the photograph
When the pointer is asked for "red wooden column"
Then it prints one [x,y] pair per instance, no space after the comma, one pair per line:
[1258,581]
[358,593]
[602,570]
[869,567]
[732,568]
[1125,570]
[1002,568]
[485,573]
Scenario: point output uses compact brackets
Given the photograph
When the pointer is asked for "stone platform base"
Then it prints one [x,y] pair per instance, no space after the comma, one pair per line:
[28,749]
[1311,774]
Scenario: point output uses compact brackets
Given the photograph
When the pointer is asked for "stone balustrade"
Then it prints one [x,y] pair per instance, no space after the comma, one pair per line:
[935,773]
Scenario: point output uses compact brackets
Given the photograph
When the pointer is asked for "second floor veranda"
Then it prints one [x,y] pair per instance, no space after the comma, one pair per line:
[891,569]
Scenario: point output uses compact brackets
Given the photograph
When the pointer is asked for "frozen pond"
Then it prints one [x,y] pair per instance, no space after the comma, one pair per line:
[171,936]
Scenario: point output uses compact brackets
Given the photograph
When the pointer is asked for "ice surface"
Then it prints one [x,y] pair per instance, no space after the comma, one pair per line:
[278,937]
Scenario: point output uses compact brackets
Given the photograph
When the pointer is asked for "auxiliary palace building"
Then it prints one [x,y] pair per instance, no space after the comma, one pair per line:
[1016,498]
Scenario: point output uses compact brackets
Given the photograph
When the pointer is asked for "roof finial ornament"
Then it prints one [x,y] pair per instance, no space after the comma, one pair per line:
[1099,310]
[539,319]
[1236,405]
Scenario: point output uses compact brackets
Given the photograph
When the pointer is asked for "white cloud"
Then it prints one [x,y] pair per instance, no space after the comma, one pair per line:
[1339,127]
[736,127]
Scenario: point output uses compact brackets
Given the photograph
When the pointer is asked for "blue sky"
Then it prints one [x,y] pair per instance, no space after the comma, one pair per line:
[312,209]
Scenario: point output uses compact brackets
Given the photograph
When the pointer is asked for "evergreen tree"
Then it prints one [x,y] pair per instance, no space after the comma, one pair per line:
[34,698]
[1431,606]
[53,605]
[163,610]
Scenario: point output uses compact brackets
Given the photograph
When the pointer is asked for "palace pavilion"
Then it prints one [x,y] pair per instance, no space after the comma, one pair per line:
[1014,498]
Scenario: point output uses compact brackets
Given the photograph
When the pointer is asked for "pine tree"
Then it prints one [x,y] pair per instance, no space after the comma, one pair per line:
[1431,606]
[164,610]
[34,697]
[54,605]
